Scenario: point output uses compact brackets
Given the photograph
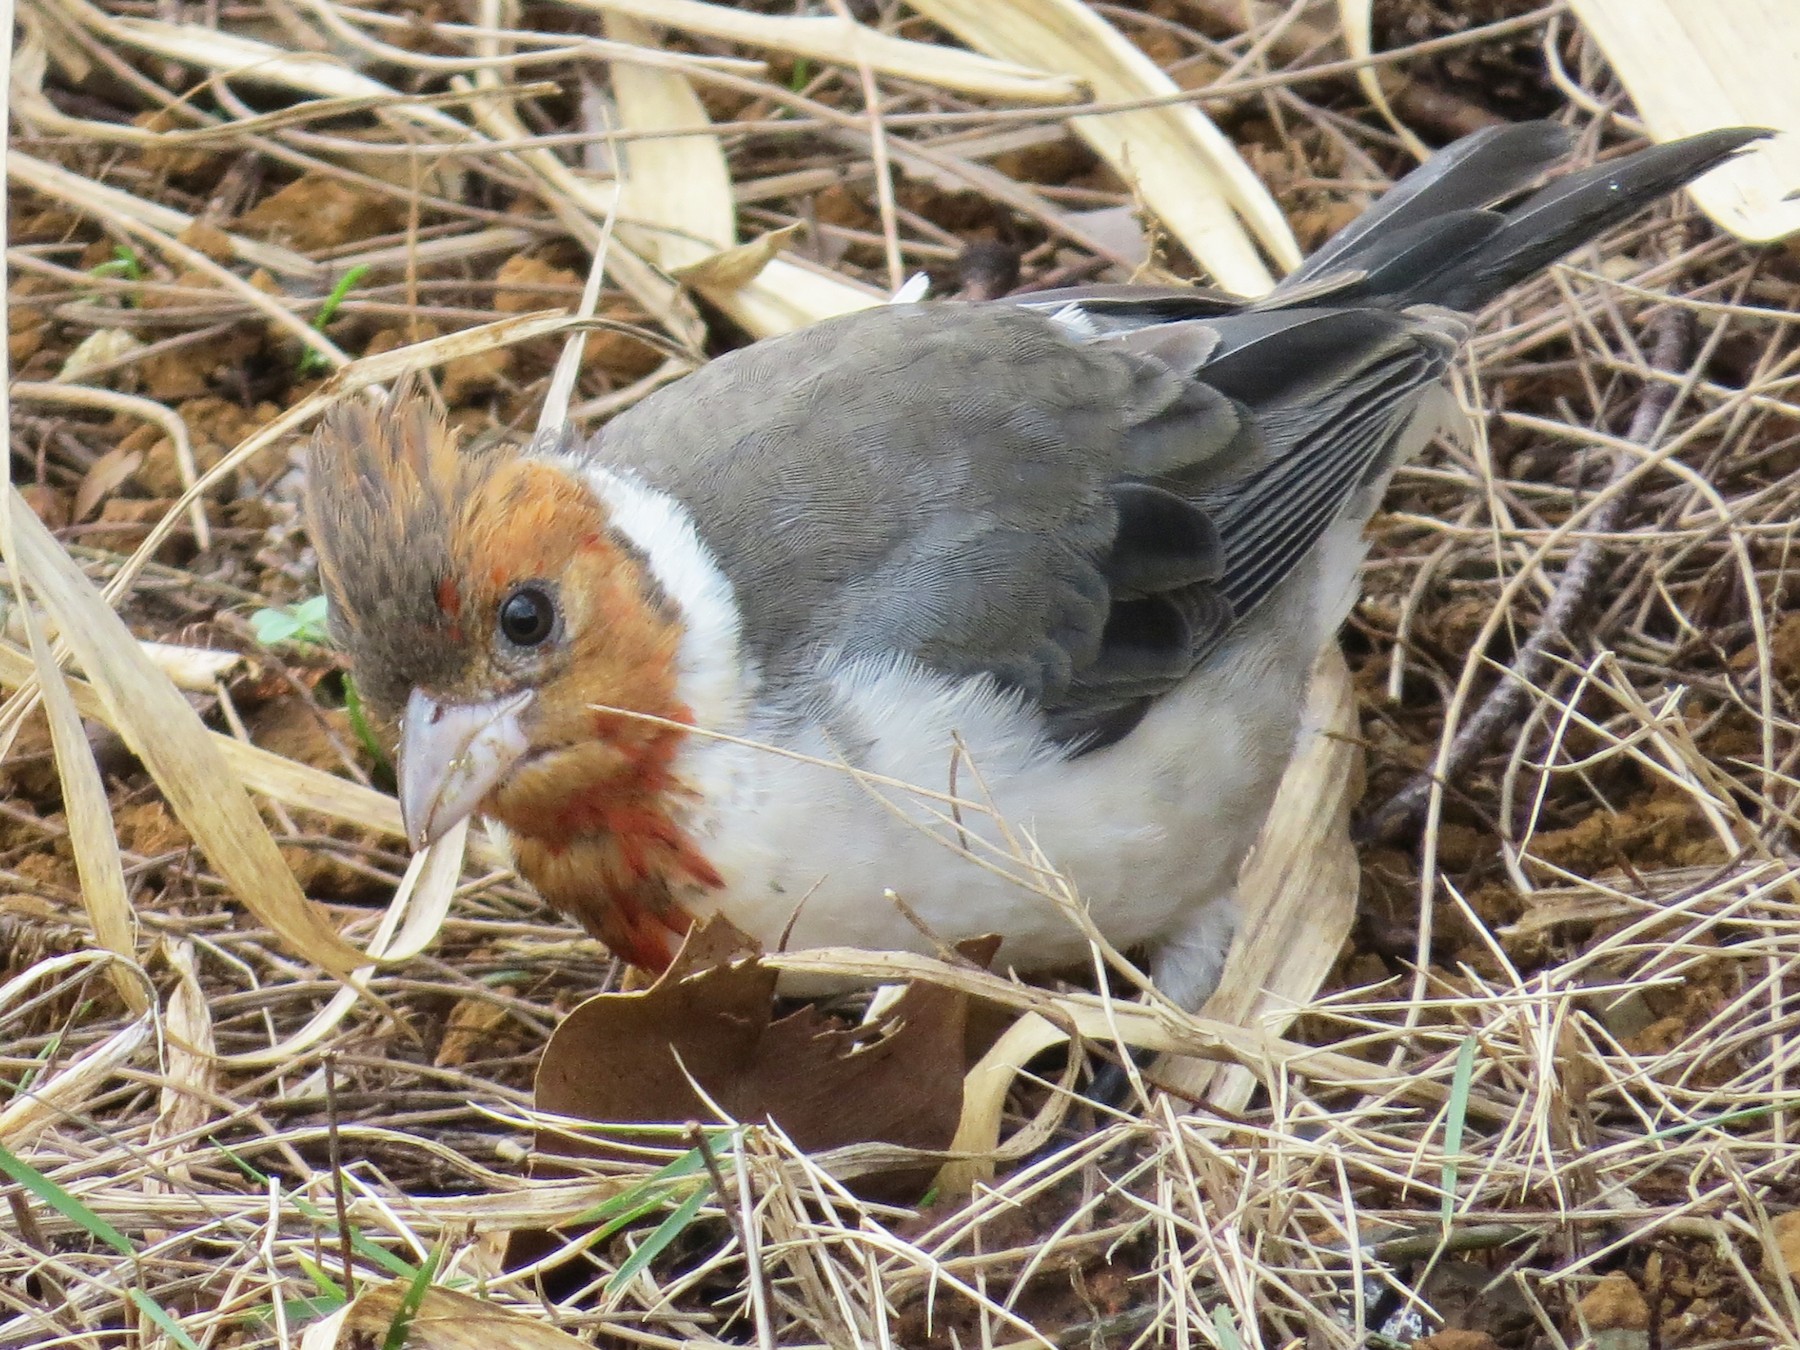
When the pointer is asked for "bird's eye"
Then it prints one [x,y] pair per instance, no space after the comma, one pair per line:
[527,616]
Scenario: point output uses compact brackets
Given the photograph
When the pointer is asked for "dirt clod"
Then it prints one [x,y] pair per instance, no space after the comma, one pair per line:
[1614,1304]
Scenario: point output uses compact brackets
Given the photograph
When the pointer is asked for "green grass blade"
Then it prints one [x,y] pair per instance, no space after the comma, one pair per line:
[310,360]
[359,1244]
[647,1204]
[166,1324]
[1737,1117]
[654,1245]
[360,726]
[411,1303]
[654,1189]
[296,1312]
[327,1286]
[237,1161]
[1454,1120]
[62,1202]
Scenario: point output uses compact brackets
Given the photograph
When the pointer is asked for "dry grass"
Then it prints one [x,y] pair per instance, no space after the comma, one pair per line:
[1559,1047]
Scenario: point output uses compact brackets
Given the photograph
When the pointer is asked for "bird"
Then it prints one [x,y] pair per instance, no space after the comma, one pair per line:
[859,634]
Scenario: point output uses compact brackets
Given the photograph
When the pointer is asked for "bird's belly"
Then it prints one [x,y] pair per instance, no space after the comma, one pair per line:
[814,854]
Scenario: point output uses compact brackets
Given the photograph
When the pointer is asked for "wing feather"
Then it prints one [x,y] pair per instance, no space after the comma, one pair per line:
[1080,494]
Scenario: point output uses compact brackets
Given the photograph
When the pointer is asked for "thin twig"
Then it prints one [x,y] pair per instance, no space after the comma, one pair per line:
[335,1156]
[1575,593]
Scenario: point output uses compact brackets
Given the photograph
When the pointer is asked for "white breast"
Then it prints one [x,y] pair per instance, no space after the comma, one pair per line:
[817,823]
[828,828]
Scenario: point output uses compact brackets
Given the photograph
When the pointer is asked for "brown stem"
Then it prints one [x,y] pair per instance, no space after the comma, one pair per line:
[1575,593]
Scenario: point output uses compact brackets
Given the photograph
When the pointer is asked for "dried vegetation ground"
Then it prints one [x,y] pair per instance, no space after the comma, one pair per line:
[1564,1026]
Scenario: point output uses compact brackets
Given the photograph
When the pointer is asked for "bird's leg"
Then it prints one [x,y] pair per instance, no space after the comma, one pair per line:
[1185,967]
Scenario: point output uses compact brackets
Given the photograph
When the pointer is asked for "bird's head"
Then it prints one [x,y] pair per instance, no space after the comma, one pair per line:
[489,609]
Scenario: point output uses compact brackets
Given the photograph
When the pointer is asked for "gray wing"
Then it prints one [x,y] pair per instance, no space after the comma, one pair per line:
[1080,493]
[935,480]
[988,490]
[1325,395]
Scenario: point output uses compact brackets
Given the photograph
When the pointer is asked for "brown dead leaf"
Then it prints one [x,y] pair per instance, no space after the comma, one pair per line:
[103,478]
[628,1058]
[442,1320]
[739,265]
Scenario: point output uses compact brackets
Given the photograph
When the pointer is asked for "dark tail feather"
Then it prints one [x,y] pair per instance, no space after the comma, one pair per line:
[1436,246]
[1578,208]
[1479,170]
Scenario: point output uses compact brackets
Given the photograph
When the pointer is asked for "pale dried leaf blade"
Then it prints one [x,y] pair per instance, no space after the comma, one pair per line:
[103,346]
[307,788]
[168,736]
[60,185]
[195,669]
[71,1088]
[105,475]
[88,815]
[245,58]
[1692,67]
[190,1077]
[1358,19]
[985,1090]
[679,198]
[293,784]
[736,267]
[425,893]
[677,188]
[1180,163]
[581,204]
[785,295]
[385,367]
[828,38]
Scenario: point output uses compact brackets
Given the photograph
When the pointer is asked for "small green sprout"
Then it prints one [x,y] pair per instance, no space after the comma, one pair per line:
[310,361]
[123,263]
[359,724]
[304,623]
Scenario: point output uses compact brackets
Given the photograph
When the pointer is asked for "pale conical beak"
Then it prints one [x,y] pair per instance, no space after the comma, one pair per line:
[451,756]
